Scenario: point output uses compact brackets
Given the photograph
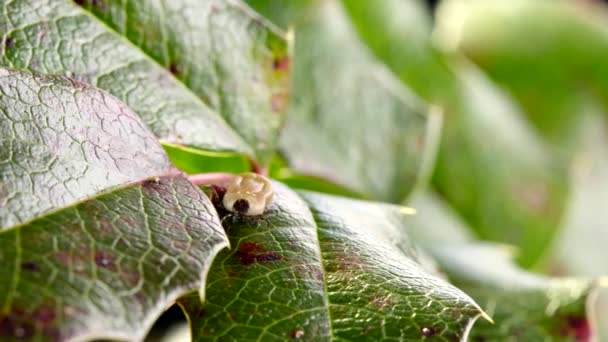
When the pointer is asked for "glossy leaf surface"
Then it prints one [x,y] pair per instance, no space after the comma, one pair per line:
[318,267]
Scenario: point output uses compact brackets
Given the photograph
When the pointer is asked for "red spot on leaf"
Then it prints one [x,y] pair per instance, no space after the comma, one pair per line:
[103,259]
[281,63]
[250,253]
[44,315]
[20,325]
[577,327]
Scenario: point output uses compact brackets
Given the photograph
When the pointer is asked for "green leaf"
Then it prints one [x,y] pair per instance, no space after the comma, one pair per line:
[177,69]
[398,32]
[353,123]
[318,267]
[497,173]
[100,231]
[523,305]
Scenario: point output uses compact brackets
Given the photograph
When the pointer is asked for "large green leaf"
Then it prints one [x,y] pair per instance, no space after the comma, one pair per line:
[352,122]
[319,268]
[523,305]
[496,172]
[170,81]
[100,232]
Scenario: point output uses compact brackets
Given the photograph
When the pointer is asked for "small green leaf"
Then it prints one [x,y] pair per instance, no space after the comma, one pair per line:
[100,231]
[193,160]
[523,305]
[318,267]
[353,123]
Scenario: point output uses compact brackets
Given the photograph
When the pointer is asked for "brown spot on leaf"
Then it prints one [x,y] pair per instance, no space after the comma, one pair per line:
[175,69]
[297,333]
[44,315]
[250,253]
[9,43]
[21,325]
[79,2]
[281,63]
[103,259]
[15,330]
[30,266]
[427,331]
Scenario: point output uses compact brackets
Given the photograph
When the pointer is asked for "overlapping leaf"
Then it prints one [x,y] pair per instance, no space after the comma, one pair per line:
[100,231]
[239,72]
[225,53]
[317,268]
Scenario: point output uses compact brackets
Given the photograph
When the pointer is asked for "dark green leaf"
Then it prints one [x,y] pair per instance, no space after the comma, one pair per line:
[353,123]
[523,305]
[168,64]
[100,231]
[317,268]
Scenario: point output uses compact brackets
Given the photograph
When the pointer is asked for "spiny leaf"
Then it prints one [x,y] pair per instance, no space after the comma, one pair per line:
[318,267]
[100,232]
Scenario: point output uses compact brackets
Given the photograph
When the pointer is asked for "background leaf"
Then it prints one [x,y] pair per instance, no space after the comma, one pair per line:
[318,267]
[523,305]
[100,232]
[353,123]
[489,152]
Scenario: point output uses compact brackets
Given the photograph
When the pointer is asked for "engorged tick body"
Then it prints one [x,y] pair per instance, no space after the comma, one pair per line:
[248,194]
